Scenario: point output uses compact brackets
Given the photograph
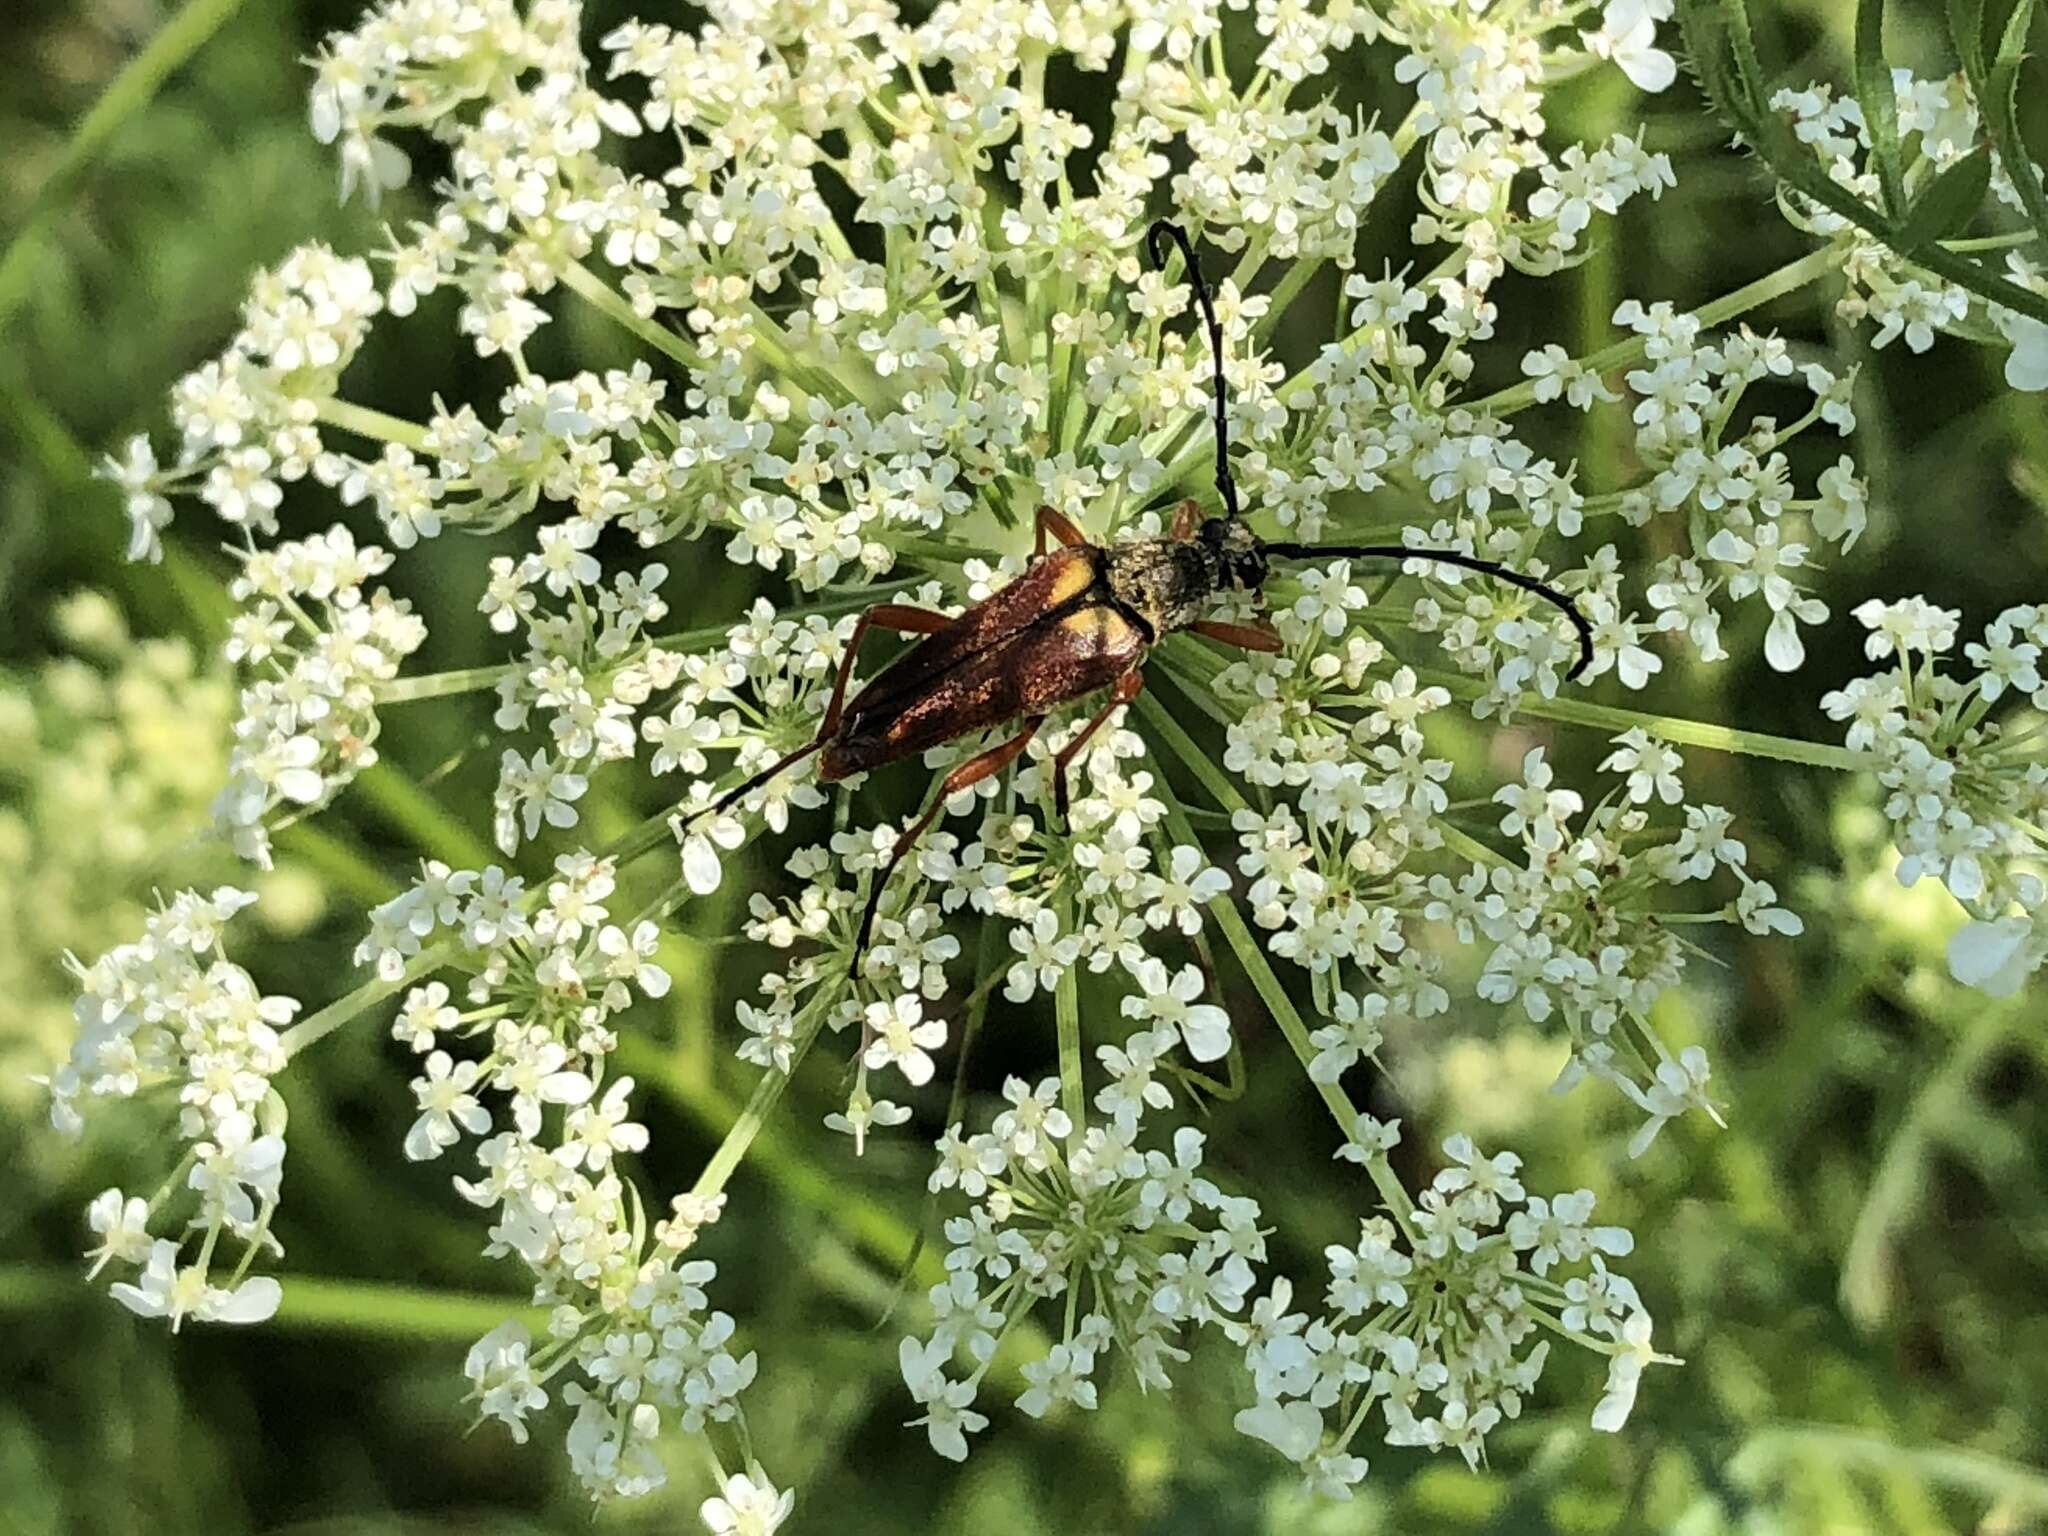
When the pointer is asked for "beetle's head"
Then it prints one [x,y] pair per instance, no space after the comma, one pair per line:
[1240,553]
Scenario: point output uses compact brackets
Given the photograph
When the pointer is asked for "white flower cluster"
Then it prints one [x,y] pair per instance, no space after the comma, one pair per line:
[1938,123]
[248,421]
[824,405]
[1747,529]
[1134,1249]
[759,696]
[1579,929]
[1439,1317]
[628,1313]
[317,646]
[171,1014]
[1965,778]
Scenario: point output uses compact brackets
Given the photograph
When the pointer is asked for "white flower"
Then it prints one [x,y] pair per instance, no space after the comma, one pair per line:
[149,511]
[745,1507]
[1170,1001]
[502,1378]
[445,1102]
[164,1290]
[593,1133]
[1624,1372]
[1293,1429]
[2026,365]
[123,1228]
[949,1416]
[1628,35]
[900,1036]
[1993,957]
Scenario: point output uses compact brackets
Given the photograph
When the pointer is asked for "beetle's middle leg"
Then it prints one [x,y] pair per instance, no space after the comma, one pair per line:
[1125,689]
[902,618]
[966,776]
[1246,637]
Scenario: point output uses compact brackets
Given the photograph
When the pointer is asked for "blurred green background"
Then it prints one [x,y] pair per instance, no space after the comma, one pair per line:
[1854,1271]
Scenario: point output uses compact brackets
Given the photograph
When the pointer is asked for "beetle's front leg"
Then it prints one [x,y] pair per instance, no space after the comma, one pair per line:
[1187,517]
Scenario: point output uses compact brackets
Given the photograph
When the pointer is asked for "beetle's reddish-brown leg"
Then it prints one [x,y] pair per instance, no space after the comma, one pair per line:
[900,617]
[966,776]
[1056,525]
[1187,517]
[1125,689]
[1246,637]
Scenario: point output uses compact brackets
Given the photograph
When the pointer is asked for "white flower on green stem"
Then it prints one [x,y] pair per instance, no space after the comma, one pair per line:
[949,1416]
[122,1224]
[447,1107]
[165,1290]
[1624,1372]
[746,1506]
[502,1378]
[1169,1000]
[594,1133]
[901,1037]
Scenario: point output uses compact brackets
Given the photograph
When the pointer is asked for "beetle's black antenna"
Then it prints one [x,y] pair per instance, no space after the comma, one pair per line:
[1156,237]
[1506,573]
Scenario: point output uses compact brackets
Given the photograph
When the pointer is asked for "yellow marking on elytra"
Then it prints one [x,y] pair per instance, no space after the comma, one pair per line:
[1074,578]
[1105,625]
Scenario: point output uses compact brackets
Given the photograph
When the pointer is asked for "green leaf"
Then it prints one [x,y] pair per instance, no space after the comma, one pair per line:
[2001,104]
[1966,32]
[1708,29]
[1880,106]
[2012,33]
[1742,43]
[1948,203]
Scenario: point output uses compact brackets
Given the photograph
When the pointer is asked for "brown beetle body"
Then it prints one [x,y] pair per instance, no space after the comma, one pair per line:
[1075,622]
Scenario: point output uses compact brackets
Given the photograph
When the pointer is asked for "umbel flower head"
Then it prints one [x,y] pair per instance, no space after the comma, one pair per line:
[887,301]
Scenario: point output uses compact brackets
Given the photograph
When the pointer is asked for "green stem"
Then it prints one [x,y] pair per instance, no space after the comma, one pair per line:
[1772,285]
[615,306]
[1691,733]
[126,95]
[336,860]
[315,1303]
[442,685]
[760,1104]
[377,425]
[1067,1020]
[422,818]
[2016,1487]
[350,1005]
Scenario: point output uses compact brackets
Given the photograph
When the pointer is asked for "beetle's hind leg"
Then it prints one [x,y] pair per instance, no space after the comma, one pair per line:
[902,618]
[1125,689]
[966,776]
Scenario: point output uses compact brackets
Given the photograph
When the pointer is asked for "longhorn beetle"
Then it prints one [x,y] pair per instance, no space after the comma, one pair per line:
[1080,618]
